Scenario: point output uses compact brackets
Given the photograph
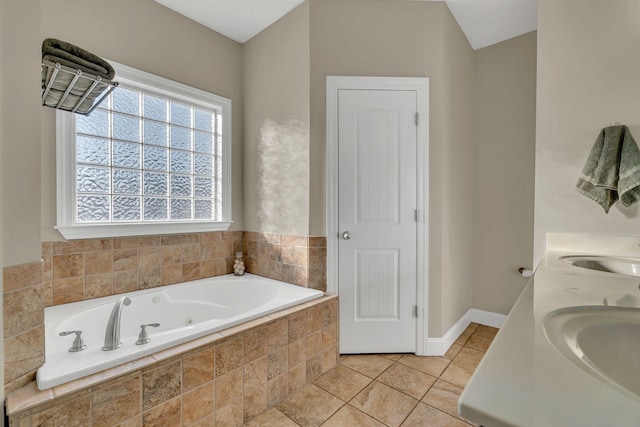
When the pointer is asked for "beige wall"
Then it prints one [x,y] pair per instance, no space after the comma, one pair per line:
[405,39]
[276,87]
[587,78]
[20,134]
[144,35]
[19,141]
[505,117]
[456,204]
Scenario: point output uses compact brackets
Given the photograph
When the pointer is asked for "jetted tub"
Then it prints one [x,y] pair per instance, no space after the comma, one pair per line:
[185,312]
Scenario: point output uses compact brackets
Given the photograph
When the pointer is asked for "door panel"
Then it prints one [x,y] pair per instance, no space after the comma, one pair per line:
[377,138]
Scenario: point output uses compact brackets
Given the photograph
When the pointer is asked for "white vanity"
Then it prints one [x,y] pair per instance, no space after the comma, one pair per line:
[569,351]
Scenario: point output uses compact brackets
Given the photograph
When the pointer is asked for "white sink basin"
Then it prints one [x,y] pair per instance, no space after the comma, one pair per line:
[604,341]
[626,266]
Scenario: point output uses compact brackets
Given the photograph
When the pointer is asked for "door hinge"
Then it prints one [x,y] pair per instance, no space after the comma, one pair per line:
[416,215]
[415,311]
[417,119]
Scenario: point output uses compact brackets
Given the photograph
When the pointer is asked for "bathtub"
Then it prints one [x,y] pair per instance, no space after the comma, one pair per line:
[185,312]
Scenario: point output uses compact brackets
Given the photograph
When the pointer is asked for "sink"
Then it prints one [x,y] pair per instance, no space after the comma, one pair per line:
[626,266]
[604,341]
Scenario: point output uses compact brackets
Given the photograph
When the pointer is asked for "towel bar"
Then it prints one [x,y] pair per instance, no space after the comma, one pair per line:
[81,88]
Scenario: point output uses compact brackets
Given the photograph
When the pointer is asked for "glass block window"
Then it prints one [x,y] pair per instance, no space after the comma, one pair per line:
[148,156]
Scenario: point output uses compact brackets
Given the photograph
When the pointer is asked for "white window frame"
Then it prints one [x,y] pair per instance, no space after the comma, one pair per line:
[65,161]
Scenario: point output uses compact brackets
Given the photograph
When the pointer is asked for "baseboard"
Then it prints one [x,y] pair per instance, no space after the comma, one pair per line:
[439,346]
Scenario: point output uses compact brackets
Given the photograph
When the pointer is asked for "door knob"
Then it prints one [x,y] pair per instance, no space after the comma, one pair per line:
[346,235]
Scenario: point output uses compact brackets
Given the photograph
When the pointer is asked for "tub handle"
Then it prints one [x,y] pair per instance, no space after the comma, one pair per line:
[143,338]
[78,342]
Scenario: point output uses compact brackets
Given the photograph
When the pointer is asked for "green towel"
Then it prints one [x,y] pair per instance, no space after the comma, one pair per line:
[77,58]
[612,170]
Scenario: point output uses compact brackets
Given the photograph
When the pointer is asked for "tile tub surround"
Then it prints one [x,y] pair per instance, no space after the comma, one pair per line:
[84,269]
[78,270]
[299,260]
[23,300]
[226,378]
[386,389]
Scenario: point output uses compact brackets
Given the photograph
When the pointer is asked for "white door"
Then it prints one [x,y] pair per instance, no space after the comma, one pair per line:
[377,189]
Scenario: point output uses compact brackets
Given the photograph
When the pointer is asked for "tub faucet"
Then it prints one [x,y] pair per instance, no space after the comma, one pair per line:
[112,335]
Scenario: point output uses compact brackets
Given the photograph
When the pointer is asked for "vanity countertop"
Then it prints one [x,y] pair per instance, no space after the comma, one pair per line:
[523,380]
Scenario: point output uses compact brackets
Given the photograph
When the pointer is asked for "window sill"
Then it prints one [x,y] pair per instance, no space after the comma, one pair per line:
[94,231]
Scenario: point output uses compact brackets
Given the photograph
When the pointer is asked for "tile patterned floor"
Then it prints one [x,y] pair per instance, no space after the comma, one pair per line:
[386,389]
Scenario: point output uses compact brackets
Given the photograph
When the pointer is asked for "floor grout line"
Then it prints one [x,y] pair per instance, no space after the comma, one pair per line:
[397,361]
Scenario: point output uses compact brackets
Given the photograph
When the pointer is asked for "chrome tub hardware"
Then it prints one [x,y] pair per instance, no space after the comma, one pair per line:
[112,334]
[78,342]
[143,338]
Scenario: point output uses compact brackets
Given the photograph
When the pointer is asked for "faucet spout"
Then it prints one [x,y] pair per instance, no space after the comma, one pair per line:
[112,334]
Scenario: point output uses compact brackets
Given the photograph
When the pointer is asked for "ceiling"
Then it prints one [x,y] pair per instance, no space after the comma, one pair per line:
[484,22]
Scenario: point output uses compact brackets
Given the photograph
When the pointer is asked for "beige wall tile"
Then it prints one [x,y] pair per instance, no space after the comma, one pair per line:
[228,356]
[166,414]
[329,312]
[297,326]
[149,277]
[22,276]
[286,254]
[171,274]
[314,367]
[255,344]
[207,251]
[314,344]
[161,384]
[135,242]
[68,290]
[209,268]
[329,358]
[301,256]
[114,403]
[223,249]
[125,281]
[66,266]
[190,271]
[48,293]
[98,262]
[98,285]
[314,320]
[24,353]
[294,240]
[171,255]
[190,252]
[329,335]
[278,334]
[277,389]
[297,353]
[76,412]
[255,388]
[198,367]
[198,403]
[277,362]
[23,309]
[207,421]
[317,242]
[125,259]
[229,388]
[149,257]
[297,377]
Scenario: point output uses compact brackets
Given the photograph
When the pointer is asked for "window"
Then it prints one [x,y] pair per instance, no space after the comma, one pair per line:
[152,158]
